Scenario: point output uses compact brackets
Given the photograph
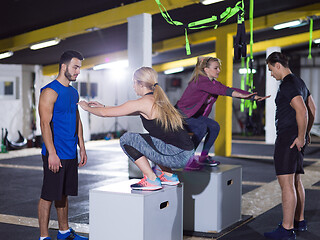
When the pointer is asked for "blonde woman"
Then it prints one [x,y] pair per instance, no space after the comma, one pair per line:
[167,144]
[197,101]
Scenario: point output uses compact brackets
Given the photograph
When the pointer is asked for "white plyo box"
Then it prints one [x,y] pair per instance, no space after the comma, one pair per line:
[118,213]
[212,198]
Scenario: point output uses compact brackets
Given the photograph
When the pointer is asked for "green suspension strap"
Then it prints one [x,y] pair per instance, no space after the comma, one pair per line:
[166,16]
[251,28]
[252,104]
[310,37]
[230,12]
[204,23]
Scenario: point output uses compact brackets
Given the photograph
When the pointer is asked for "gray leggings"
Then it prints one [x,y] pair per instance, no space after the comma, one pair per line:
[155,150]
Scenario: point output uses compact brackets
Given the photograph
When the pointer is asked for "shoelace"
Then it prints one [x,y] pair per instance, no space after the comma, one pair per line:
[162,177]
[143,181]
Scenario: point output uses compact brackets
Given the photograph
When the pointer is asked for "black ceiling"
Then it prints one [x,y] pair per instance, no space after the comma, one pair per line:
[21,16]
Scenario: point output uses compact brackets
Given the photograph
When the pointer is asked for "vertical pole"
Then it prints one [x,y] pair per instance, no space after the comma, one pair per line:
[223,115]
[139,54]
[271,89]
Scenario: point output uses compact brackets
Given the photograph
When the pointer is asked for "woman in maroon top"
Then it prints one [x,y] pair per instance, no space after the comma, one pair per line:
[197,101]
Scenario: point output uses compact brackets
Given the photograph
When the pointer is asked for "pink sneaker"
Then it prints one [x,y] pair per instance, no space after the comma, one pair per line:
[208,161]
[193,164]
[166,180]
[147,184]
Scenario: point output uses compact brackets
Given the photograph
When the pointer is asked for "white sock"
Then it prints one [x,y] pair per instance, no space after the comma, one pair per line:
[63,232]
[41,238]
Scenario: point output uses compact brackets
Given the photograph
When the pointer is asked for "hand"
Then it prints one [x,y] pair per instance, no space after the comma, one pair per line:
[299,143]
[54,163]
[259,98]
[95,104]
[248,96]
[83,158]
[84,105]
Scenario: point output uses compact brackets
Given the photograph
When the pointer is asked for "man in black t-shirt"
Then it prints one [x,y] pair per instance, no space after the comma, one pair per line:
[294,118]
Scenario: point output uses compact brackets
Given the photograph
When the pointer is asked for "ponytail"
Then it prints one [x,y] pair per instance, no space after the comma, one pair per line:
[166,114]
[202,62]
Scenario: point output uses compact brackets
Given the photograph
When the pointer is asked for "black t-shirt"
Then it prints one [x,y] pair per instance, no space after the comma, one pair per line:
[290,87]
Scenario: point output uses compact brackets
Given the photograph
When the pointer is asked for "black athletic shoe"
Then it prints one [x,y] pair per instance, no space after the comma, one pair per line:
[281,234]
[300,226]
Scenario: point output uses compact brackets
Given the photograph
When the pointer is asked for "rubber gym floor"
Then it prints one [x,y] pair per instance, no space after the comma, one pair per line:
[21,179]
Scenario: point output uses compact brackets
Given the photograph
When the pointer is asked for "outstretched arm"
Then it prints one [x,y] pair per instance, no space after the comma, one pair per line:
[254,96]
[133,107]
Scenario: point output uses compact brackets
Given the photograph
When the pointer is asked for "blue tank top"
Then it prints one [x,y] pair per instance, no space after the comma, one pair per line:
[64,121]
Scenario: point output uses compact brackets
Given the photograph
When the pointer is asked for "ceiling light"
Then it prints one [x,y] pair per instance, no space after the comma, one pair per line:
[316,41]
[92,29]
[173,70]
[112,65]
[207,2]
[294,23]
[6,54]
[45,44]
[244,71]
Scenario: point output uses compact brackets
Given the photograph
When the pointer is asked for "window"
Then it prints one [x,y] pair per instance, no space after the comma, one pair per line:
[94,89]
[8,88]
[85,89]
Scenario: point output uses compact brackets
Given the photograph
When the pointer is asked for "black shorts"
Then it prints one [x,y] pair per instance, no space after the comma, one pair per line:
[62,183]
[287,160]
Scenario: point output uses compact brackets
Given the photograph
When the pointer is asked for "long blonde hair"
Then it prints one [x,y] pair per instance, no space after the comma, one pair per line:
[202,62]
[166,114]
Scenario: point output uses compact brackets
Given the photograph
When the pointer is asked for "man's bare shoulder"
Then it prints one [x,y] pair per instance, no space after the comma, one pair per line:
[48,94]
[49,91]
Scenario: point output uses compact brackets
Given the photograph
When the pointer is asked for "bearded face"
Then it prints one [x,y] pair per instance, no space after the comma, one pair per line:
[73,69]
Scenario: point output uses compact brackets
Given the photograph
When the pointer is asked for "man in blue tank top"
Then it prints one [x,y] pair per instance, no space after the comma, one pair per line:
[61,129]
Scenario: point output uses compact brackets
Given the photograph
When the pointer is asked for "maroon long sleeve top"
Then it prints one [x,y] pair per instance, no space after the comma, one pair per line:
[202,94]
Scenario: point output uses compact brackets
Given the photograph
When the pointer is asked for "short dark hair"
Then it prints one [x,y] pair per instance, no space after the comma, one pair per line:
[279,57]
[68,55]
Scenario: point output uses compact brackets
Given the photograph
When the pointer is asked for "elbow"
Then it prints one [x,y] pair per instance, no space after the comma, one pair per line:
[305,113]
[302,113]
[43,124]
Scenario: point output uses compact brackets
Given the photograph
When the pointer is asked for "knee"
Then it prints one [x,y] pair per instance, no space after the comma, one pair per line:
[298,182]
[201,130]
[214,126]
[124,139]
[61,203]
